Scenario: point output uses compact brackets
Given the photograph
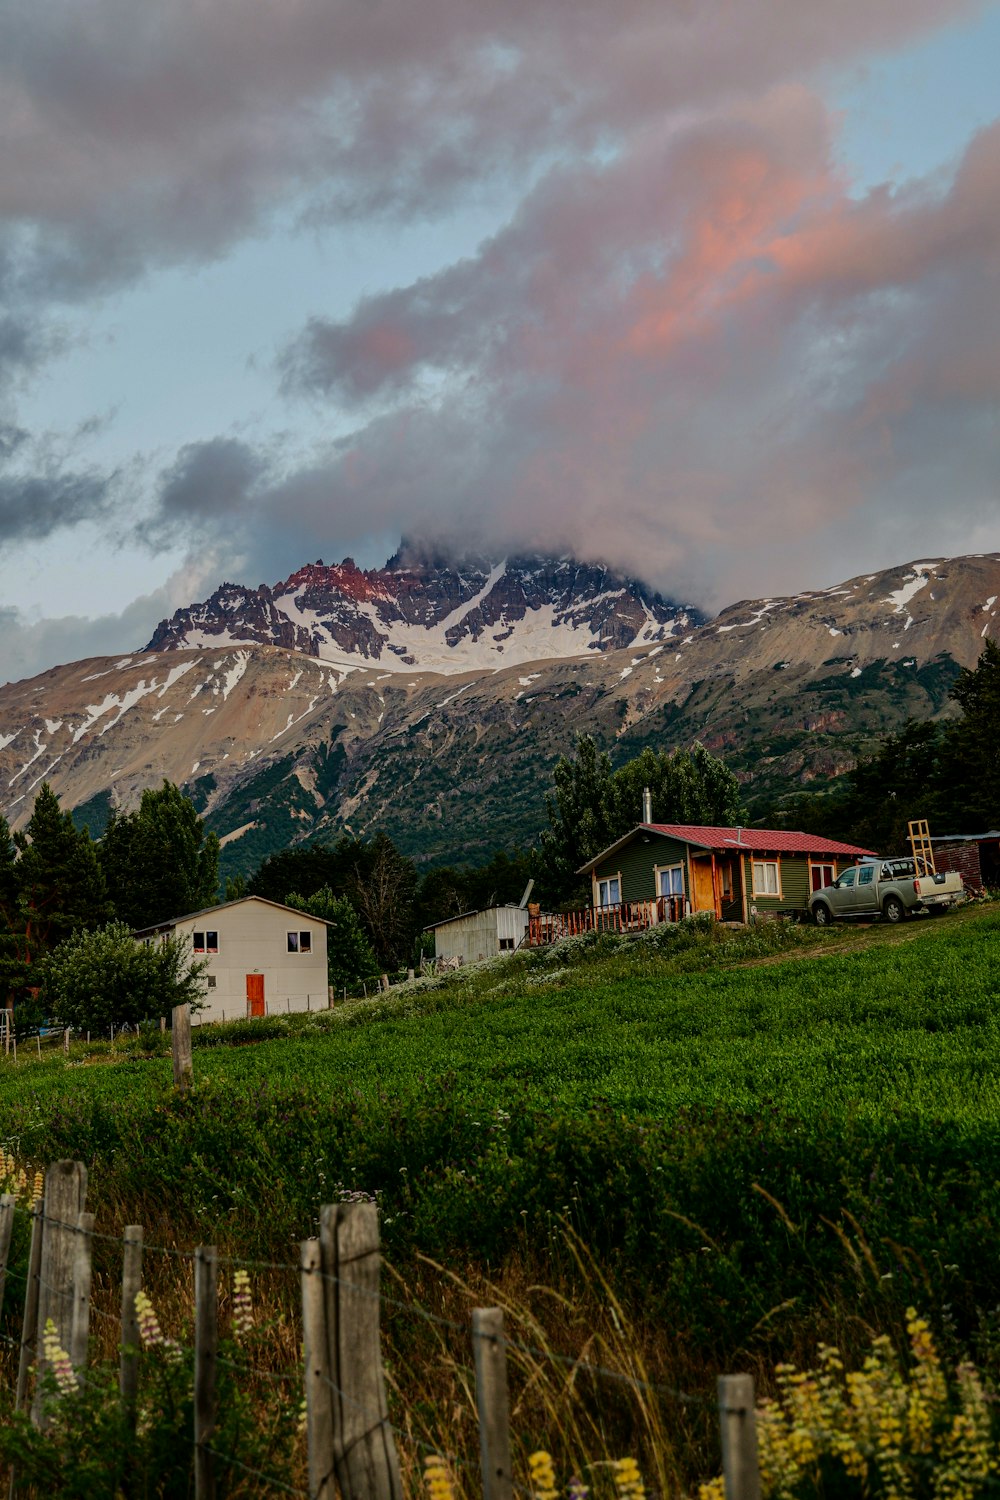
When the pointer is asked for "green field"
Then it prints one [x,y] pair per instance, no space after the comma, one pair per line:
[761,1135]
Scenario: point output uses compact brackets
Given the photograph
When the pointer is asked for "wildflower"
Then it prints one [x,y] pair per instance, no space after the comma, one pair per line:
[628,1480]
[37,1189]
[437,1478]
[242,1305]
[149,1324]
[57,1359]
[577,1490]
[543,1479]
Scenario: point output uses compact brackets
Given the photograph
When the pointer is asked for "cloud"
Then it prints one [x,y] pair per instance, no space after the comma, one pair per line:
[133,140]
[216,478]
[32,506]
[29,646]
[702,357]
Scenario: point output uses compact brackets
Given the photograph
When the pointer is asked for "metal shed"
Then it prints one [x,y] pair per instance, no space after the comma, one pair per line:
[480,934]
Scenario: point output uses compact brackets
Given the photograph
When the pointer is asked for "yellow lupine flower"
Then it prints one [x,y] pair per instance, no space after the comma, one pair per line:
[436,1477]
[543,1478]
[897,1433]
[628,1480]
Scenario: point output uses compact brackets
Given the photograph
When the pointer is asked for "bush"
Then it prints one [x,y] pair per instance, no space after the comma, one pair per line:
[95,980]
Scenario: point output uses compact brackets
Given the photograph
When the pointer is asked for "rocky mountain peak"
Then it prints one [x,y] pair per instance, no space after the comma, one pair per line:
[430,611]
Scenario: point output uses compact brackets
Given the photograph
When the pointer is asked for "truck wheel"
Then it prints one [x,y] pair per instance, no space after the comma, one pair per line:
[822,915]
[893,910]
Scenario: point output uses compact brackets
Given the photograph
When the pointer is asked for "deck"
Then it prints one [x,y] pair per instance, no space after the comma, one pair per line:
[626,916]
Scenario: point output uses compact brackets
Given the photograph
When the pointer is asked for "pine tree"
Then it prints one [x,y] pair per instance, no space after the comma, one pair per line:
[12,968]
[970,789]
[349,956]
[581,815]
[60,886]
[158,860]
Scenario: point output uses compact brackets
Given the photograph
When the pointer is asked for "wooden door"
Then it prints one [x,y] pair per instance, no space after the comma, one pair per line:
[703,883]
[255,995]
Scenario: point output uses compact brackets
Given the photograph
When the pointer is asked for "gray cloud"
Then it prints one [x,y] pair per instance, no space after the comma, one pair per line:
[28,647]
[214,478]
[32,506]
[702,359]
[138,140]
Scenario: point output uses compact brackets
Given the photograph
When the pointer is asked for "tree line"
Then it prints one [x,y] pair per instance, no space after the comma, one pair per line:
[947,772]
[70,904]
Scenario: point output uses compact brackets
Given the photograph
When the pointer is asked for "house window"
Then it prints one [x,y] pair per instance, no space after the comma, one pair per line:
[211,981]
[766,877]
[821,875]
[300,942]
[609,892]
[206,942]
[671,881]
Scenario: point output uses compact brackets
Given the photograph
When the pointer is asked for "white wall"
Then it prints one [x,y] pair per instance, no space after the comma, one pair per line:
[253,940]
[478,935]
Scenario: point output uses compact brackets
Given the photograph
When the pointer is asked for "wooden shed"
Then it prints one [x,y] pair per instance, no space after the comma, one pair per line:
[736,873]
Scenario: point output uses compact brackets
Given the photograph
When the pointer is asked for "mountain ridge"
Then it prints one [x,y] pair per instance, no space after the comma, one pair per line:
[278,745]
[424,612]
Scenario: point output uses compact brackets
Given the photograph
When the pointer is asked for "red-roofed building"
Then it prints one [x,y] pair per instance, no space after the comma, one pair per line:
[737,873]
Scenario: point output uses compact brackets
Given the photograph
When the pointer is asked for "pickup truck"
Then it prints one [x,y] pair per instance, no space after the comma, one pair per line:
[889,888]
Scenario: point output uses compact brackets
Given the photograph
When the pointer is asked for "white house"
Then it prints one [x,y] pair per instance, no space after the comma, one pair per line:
[479,934]
[263,958]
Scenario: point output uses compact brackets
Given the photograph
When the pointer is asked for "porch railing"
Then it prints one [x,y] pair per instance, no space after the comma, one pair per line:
[624,916]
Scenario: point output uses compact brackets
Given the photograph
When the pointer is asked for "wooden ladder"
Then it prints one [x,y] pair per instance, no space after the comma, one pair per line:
[923,850]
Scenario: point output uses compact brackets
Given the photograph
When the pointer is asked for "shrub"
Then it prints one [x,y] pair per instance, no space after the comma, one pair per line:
[98,979]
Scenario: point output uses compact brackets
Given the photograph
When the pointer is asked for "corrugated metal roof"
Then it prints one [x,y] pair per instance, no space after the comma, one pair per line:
[479,911]
[207,911]
[780,840]
[754,840]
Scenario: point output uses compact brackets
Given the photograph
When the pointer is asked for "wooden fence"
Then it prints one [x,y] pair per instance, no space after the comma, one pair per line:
[350,1438]
[624,916]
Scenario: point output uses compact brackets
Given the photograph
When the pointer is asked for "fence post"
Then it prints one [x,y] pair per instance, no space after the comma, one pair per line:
[181,1047]
[80,1326]
[318,1390]
[65,1197]
[29,1328]
[6,1229]
[490,1355]
[367,1465]
[128,1364]
[206,1342]
[738,1430]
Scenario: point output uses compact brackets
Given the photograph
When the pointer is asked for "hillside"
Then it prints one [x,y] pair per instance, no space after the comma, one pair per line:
[276,744]
[669,1155]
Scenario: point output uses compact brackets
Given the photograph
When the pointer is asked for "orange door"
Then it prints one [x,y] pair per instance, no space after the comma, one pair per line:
[703,882]
[255,994]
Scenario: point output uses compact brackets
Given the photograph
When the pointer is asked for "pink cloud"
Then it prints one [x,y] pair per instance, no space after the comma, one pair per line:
[703,349]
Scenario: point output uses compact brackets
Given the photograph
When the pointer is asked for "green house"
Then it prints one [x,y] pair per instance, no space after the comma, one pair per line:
[737,873]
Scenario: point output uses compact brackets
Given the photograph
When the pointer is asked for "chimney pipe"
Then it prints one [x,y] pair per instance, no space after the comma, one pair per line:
[647,805]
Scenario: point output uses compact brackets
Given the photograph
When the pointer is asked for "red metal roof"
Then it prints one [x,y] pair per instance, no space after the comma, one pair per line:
[758,840]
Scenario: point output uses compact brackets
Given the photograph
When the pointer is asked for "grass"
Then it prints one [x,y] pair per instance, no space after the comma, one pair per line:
[731,1143]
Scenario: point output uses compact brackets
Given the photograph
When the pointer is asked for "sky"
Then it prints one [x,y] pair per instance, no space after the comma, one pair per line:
[706,291]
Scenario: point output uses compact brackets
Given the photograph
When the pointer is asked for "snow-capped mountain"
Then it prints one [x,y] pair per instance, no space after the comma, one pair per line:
[427,613]
[277,743]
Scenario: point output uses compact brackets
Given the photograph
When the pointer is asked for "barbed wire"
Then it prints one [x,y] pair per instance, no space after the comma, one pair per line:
[271,1479]
[381,1419]
[248,1369]
[414,1310]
